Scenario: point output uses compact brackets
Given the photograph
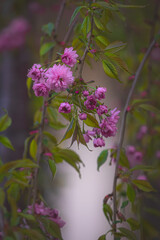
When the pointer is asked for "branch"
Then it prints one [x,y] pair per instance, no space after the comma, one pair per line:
[123,124]
[87,48]
[40,138]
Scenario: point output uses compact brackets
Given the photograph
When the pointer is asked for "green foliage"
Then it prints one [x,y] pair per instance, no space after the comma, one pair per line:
[131,194]
[5,122]
[6,142]
[52,166]
[110,69]
[46,47]
[124,204]
[143,185]
[48,28]
[108,212]
[102,158]
[134,224]
[127,233]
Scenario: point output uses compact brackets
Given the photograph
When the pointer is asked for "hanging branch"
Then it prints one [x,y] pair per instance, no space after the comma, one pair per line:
[123,125]
[40,138]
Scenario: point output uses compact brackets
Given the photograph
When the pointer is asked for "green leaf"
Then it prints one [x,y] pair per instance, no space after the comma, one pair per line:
[26,143]
[2,197]
[22,163]
[33,234]
[5,122]
[27,216]
[106,5]
[69,156]
[52,166]
[130,6]
[115,47]
[57,125]
[102,158]
[69,131]
[131,193]
[50,136]
[86,26]
[123,161]
[133,224]
[110,69]
[99,24]
[143,185]
[6,142]
[120,63]
[33,148]
[102,41]
[76,11]
[91,121]
[137,102]
[124,204]
[103,237]
[48,28]
[150,108]
[129,234]
[107,211]
[142,167]
[29,85]
[51,227]
[46,47]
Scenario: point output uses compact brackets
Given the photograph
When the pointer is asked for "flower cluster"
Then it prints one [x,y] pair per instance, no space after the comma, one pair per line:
[134,157]
[56,78]
[52,214]
[14,35]
[59,78]
[108,119]
[142,132]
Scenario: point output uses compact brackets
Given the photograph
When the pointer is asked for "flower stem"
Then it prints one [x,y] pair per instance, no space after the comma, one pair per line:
[123,125]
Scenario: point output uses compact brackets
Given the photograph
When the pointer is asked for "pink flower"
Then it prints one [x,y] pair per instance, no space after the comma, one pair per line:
[142,131]
[138,156]
[143,94]
[83,116]
[48,154]
[14,35]
[69,57]
[93,50]
[87,135]
[41,89]
[52,214]
[98,142]
[108,128]
[64,108]
[91,102]
[36,72]
[100,93]
[130,150]
[102,109]
[142,177]
[33,132]
[114,115]
[131,77]
[158,154]
[59,77]
[85,93]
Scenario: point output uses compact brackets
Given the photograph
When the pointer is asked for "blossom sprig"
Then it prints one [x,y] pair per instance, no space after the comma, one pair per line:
[86,99]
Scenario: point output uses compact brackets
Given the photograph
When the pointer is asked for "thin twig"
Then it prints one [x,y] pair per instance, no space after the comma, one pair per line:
[87,48]
[122,127]
[59,16]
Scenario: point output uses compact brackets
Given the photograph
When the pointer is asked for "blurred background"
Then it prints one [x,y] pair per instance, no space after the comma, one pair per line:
[79,200]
